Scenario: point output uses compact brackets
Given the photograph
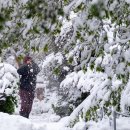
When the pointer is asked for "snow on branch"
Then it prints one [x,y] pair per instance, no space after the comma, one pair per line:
[9,78]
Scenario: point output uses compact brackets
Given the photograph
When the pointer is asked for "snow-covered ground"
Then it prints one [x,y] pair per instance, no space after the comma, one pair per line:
[16,122]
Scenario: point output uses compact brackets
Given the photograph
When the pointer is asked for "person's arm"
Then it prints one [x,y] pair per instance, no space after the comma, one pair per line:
[37,69]
[23,70]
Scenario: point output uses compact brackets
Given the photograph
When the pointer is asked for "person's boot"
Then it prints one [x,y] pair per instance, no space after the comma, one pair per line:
[24,114]
[27,115]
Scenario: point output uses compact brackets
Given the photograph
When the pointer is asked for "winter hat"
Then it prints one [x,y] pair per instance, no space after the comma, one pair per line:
[26,58]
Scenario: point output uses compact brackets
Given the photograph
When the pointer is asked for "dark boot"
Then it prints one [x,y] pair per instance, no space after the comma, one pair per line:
[27,115]
[24,114]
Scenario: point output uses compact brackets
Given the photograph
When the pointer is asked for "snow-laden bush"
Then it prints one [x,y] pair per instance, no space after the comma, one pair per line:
[104,92]
[98,49]
[8,87]
[54,71]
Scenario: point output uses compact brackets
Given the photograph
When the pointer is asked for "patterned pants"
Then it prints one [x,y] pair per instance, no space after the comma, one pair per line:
[27,98]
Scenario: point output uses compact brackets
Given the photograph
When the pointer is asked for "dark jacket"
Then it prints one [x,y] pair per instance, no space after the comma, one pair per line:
[28,76]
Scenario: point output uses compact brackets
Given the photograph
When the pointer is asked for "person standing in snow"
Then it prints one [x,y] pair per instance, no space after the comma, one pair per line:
[28,72]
